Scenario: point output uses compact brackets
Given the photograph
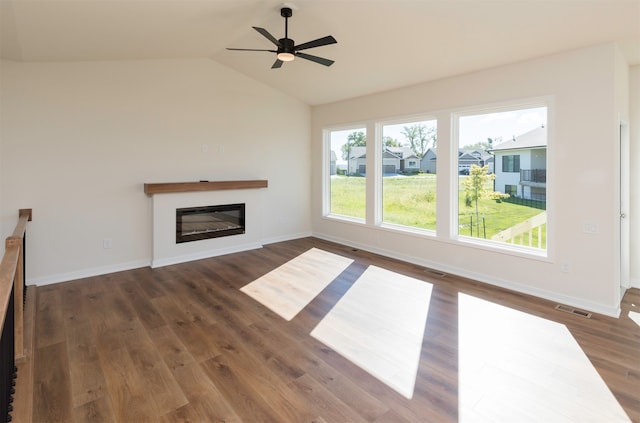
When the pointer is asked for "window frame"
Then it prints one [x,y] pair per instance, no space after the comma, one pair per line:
[447,122]
[504,248]
[326,173]
[378,182]
[513,160]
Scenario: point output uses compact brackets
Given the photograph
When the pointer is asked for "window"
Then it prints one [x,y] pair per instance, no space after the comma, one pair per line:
[347,170]
[511,163]
[510,146]
[498,177]
[512,190]
[409,174]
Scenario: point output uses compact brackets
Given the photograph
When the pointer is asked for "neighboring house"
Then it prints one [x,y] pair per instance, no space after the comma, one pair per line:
[357,161]
[466,157]
[473,156]
[410,164]
[394,160]
[390,163]
[521,165]
[407,161]
[428,163]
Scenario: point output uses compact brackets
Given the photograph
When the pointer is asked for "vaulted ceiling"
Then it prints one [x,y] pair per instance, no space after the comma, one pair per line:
[382,44]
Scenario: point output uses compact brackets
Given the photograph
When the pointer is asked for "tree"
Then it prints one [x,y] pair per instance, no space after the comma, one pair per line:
[485,145]
[354,139]
[390,142]
[475,188]
[493,141]
[419,138]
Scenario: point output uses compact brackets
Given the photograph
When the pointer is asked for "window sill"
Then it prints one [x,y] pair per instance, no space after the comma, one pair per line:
[504,248]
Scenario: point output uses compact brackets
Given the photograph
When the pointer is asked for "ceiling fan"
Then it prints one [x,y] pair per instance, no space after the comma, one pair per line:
[287,50]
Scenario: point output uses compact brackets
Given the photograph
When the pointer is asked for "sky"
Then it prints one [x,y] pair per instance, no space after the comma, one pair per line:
[472,128]
[477,128]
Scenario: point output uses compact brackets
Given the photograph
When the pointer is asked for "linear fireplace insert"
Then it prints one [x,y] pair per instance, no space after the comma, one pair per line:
[196,223]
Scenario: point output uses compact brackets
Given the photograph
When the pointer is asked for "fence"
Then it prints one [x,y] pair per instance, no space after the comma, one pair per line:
[523,233]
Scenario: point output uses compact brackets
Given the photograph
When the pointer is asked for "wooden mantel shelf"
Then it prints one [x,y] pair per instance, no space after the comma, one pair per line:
[173,187]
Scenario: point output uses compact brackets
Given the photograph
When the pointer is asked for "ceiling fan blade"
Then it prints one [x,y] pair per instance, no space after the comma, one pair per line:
[277,64]
[316,43]
[267,35]
[316,59]
[250,49]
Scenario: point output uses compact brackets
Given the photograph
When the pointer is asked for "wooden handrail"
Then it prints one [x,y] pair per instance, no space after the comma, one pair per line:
[12,277]
[8,268]
[25,216]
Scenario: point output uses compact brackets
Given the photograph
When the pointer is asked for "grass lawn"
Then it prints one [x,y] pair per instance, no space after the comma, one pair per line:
[411,201]
[348,196]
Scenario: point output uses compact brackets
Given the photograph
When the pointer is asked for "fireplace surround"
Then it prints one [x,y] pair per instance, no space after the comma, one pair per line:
[167,197]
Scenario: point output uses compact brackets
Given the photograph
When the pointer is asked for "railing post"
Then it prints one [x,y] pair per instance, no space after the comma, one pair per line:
[29,214]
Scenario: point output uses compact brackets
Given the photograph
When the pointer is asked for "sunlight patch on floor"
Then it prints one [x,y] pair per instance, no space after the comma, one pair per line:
[517,367]
[379,325]
[287,289]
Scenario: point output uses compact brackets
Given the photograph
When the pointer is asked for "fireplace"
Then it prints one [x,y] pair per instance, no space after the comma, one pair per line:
[197,223]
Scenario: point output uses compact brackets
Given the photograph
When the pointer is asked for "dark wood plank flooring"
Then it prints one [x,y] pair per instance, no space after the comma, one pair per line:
[182,343]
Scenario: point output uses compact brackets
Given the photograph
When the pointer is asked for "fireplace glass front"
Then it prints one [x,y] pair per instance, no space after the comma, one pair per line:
[196,223]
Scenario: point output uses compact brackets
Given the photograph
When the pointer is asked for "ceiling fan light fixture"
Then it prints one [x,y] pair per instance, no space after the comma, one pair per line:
[287,50]
[286,57]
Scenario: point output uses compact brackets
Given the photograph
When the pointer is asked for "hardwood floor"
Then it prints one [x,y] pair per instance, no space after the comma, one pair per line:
[183,343]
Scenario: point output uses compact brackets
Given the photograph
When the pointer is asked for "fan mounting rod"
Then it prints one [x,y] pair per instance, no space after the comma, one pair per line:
[286,46]
[286,13]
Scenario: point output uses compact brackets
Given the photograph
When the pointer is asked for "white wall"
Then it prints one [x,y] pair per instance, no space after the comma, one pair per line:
[582,153]
[78,140]
[634,212]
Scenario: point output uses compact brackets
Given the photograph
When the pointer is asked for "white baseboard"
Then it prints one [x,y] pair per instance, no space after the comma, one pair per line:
[103,270]
[491,280]
[286,238]
[86,273]
[203,255]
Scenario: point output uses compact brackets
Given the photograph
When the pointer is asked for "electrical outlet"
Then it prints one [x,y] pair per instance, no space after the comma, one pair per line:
[107,243]
[590,228]
[565,266]
[205,148]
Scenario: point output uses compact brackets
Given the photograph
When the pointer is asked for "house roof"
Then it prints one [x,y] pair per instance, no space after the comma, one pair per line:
[536,138]
[401,152]
[389,155]
[486,34]
[473,153]
[465,153]
[358,152]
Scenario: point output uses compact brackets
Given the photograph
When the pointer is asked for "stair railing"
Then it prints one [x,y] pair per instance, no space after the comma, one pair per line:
[12,290]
